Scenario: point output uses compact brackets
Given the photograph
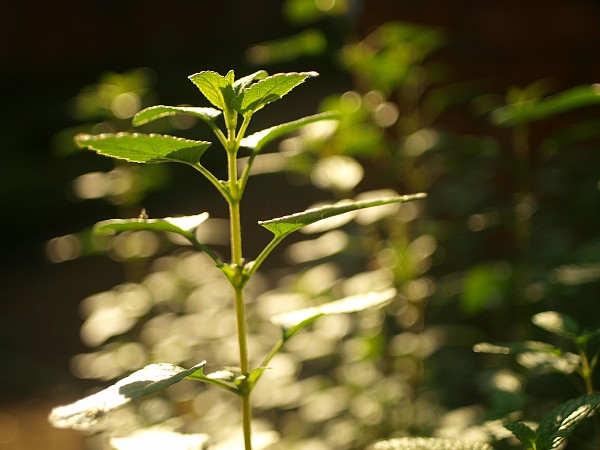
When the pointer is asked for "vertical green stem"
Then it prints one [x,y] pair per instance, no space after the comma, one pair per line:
[237,281]
[586,370]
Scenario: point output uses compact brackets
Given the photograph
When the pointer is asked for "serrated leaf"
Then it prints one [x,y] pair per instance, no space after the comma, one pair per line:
[282,226]
[269,90]
[160,438]
[217,89]
[180,225]
[558,425]
[294,321]
[144,148]
[523,433]
[533,110]
[420,443]
[244,82]
[261,138]
[557,323]
[156,112]
[86,412]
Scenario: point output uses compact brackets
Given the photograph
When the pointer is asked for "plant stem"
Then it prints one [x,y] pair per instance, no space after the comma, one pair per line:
[586,370]
[237,282]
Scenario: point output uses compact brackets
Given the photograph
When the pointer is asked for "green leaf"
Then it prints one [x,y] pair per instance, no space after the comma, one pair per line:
[180,225]
[523,433]
[261,138]
[269,90]
[421,443]
[240,85]
[86,412]
[532,110]
[558,425]
[294,321]
[282,226]
[144,148]
[217,89]
[557,323]
[156,112]
[225,379]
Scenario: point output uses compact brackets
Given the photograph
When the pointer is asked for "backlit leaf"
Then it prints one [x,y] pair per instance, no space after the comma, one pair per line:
[86,412]
[269,90]
[259,139]
[294,321]
[523,433]
[156,112]
[144,148]
[420,443]
[160,438]
[557,323]
[179,225]
[244,82]
[282,226]
[533,110]
[558,425]
[217,88]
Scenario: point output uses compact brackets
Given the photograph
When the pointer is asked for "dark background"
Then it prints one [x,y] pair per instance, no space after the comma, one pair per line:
[50,50]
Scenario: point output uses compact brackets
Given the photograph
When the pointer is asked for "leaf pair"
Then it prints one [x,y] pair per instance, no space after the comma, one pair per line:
[242,96]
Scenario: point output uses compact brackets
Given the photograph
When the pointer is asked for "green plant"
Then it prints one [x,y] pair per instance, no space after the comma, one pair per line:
[235,101]
[543,357]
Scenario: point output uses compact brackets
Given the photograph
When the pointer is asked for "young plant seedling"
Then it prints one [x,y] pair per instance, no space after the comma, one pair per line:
[235,101]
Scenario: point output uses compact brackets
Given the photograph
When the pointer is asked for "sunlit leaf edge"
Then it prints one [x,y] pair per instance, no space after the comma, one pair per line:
[269,89]
[159,111]
[559,423]
[122,146]
[87,412]
[169,224]
[258,140]
[212,85]
[293,321]
[282,226]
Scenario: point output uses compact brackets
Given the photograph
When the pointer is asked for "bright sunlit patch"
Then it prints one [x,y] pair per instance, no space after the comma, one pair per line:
[420,141]
[63,248]
[483,221]
[326,245]
[161,439]
[386,114]
[506,381]
[91,185]
[325,5]
[368,216]
[125,105]
[350,101]
[338,173]
[373,99]
[135,244]
[105,323]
